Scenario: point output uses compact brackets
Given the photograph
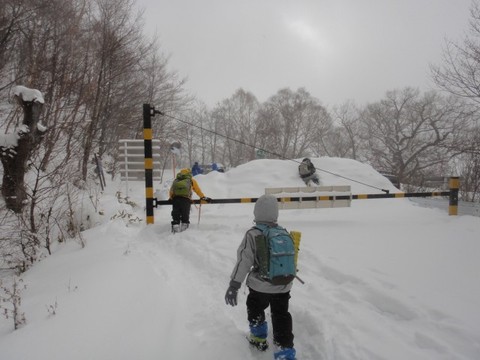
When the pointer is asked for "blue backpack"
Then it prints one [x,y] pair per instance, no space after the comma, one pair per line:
[275,254]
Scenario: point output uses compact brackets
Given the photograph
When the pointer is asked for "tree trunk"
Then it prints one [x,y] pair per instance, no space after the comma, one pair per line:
[14,158]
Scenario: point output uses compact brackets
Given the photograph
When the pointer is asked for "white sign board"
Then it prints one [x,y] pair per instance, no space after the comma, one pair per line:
[132,165]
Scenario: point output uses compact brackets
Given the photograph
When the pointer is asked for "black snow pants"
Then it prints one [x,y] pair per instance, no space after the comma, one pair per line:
[282,326]
[181,210]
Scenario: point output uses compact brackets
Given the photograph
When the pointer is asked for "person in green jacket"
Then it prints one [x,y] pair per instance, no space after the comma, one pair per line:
[181,198]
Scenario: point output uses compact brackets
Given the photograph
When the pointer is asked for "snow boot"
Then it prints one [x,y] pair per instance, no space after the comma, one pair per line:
[184,227]
[259,343]
[258,335]
[281,353]
[175,228]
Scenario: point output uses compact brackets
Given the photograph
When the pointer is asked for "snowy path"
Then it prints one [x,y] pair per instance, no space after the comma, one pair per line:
[337,314]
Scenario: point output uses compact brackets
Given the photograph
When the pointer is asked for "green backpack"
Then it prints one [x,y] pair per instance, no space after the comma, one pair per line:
[182,185]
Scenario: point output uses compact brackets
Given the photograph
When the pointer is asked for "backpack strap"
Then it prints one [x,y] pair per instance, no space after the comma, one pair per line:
[261,227]
[262,255]
[262,250]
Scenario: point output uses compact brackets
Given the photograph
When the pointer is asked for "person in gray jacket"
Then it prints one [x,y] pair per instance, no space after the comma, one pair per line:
[262,293]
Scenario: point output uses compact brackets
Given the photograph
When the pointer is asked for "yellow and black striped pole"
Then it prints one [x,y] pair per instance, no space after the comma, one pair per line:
[452,194]
[453,184]
[147,137]
[148,113]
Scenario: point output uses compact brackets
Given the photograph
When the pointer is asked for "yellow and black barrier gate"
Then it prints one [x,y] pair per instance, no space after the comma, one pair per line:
[148,113]
[452,194]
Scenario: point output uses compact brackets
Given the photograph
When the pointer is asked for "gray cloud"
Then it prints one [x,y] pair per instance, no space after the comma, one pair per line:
[337,49]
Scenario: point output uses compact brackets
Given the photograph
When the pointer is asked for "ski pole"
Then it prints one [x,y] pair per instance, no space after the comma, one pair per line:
[199,212]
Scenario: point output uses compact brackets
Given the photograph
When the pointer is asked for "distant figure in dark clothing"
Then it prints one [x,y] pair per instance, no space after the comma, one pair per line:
[307,172]
[196,169]
[214,167]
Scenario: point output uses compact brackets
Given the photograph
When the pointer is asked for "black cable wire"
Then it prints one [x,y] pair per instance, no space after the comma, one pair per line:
[269,152]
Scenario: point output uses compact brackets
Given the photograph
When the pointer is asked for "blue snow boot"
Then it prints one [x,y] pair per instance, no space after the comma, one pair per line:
[258,335]
[284,354]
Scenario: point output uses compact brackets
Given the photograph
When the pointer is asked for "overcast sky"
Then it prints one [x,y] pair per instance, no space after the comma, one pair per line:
[337,49]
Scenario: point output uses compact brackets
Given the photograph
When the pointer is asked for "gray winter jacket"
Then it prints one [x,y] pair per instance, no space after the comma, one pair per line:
[266,212]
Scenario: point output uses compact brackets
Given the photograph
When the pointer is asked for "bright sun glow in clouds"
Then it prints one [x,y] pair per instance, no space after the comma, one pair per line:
[308,34]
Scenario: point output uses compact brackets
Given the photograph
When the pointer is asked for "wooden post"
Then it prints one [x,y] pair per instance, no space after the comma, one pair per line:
[454,184]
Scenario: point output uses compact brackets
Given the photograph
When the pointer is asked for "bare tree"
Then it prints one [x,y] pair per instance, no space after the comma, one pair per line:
[195,134]
[95,68]
[237,122]
[458,72]
[116,45]
[458,75]
[292,123]
[409,133]
[467,163]
[345,139]
[13,15]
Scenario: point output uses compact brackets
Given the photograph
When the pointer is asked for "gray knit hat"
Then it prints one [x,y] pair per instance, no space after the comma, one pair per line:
[266,209]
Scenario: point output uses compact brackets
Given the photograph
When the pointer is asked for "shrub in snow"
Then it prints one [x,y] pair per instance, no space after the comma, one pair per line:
[11,300]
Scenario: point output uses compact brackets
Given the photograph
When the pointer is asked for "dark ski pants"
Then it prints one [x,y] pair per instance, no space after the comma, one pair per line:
[181,210]
[311,177]
[282,326]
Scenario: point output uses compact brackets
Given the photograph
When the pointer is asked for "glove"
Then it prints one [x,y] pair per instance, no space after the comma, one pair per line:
[231,295]
[207,199]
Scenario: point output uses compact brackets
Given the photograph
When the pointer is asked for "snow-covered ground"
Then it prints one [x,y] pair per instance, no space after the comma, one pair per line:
[384,279]
[464,207]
